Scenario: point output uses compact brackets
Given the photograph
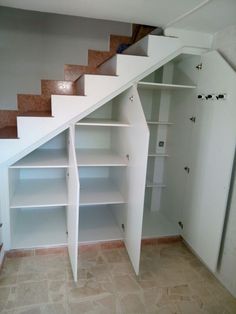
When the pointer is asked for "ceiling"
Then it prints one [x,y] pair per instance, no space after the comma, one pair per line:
[199,15]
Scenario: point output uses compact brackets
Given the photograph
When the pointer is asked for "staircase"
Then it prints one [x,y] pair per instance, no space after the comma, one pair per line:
[85,88]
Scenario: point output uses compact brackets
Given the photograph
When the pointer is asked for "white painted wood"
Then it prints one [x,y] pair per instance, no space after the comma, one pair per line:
[97,223]
[40,193]
[150,184]
[38,227]
[155,225]
[44,158]
[159,122]
[73,204]
[163,86]
[99,157]
[102,122]
[99,191]
[154,154]
[213,148]
[134,142]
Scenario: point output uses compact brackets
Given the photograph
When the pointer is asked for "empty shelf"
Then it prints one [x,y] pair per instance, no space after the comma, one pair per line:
[155,225]
[97,223]
[40,193]
[151,85]
[97,191]
[38,227]
[99,157]
[44,158]
[102,122]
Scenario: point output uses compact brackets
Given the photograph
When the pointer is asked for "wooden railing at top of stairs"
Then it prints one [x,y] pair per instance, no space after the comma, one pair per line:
[40,105]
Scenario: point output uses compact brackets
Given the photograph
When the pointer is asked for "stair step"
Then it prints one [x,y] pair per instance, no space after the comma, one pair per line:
[72,71]
[8,132]
[96,57]
[28,102]
[53,87]
[36,114]
[116,41]
[7,117]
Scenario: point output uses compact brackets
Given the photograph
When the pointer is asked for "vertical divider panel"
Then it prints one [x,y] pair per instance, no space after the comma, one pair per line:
[133,143]
[73,203]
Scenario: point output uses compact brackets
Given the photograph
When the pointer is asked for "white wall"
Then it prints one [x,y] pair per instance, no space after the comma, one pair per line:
[225,43]
[36,46]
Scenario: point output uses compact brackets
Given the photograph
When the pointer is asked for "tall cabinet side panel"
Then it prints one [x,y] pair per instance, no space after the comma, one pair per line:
[133,142]
[73,201]
[213,148]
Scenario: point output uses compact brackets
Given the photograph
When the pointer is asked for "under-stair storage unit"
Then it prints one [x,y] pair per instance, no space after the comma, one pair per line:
[39,196]
[157,93]
[112,166]
[192,143]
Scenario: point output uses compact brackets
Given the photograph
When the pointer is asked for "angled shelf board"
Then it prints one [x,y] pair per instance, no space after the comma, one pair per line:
[99,157]
[44,158]
[99,191]
[98,224]
[102,122]
[40,193]
[159,123]
[163,86]
[38,227]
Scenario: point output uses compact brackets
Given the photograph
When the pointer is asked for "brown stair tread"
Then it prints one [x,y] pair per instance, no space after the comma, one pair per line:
[36,114]
[8,132]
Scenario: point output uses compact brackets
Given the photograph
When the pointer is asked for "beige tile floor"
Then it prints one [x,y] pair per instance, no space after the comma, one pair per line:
[171,280]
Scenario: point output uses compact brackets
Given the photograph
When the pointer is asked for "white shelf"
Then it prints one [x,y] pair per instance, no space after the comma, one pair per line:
[38,227]
[150,154]
[102,122]
[40,193]
[159,122]
[99,157]
[155,225]
[97,223]
[44,158]
[151,85]
[150,184]
[96,191]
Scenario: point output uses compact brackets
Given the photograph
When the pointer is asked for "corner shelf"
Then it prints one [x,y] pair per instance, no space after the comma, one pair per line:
[102,122]
[99,157]
[163,86]
[43,158]
[99,191]
[40,193]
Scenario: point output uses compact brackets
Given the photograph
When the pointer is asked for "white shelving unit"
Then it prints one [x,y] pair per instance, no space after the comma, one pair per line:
[39,196]
[40,193]
[99,191]
[38,227]
[102,122]
[98,222]
[100,157]
[162,86]
[43,158]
